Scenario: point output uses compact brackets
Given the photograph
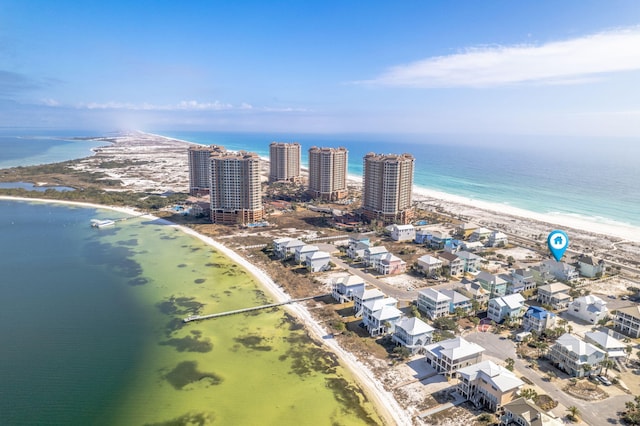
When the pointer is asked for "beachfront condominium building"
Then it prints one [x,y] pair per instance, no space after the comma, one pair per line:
[328,173]
[284,162]
[236,192]
[387,187]
[200,168]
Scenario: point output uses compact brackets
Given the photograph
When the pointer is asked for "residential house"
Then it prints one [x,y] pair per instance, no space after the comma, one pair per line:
[474,291]
[422,236]
[472,246]
[511,306]
[470,261]
[303,251]
[589,308]
[495,285]
[464,230]
[497,239]
[523,412]
[458,301]
[559,270]
[433,303]
[480,234]
[453,246]
[284,247]
[627,321]
[554,294]
[612,346]
[538,319]
[488,385]
[343,288]
[403,232]
[412,333]
[453,263]
[318,261]
[520,280]
[356,247]
[361,295]
[590,267]
[448,356]
[571,354]
[429,265]
[390,264]
[438,239]
[372,255]
[379,316]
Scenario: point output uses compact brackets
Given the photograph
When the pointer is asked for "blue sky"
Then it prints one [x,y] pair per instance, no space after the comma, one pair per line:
[417,67]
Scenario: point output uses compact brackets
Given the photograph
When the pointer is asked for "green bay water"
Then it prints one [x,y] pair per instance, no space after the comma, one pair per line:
[91,332]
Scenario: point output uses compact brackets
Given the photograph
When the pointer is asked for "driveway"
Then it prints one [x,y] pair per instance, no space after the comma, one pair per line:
[594,413]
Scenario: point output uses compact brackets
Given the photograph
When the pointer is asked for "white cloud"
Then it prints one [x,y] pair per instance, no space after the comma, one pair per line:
[50,102]
[574,61]
[180,106]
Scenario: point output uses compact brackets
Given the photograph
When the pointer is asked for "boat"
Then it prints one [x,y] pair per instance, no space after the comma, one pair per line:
[97,223]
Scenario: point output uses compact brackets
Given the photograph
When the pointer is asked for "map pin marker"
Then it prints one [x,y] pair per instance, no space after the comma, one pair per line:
[558,241]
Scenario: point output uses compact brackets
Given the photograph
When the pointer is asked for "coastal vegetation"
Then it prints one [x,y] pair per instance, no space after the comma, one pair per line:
[88,186]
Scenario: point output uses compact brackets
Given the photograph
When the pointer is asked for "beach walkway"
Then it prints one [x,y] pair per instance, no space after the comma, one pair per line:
[250,309]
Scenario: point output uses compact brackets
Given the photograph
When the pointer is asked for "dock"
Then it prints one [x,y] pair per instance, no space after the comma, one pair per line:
[250,309]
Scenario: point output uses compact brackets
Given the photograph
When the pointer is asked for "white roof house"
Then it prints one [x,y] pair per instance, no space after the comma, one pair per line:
[376,314]
[450,355]
[412,333]
[511,306]
[429,265]
[488,384]
[303,251]
[318,261]
[344,287]
[588,308]
[285,246]
[612,346]
[372,255]
[570,354]
[403,232]
[361,295]
[433,303]
[497,239]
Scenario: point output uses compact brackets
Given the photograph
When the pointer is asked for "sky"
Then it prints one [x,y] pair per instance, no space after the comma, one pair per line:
[495,67]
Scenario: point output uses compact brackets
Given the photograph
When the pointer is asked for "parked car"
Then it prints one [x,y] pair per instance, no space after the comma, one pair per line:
[605,381]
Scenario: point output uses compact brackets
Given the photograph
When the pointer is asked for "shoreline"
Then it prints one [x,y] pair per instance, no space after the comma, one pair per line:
[385,404]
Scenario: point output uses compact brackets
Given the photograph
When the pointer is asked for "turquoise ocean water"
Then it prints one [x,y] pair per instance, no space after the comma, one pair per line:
[593,179]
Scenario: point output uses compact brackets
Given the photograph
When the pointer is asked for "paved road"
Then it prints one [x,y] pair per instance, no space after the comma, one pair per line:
[593,413]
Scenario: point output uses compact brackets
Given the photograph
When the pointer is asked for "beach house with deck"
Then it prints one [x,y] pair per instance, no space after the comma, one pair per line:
[488,385]
[448,356]
[412,333]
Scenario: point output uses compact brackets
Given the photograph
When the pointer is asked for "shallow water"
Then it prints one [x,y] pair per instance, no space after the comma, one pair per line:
[93,320]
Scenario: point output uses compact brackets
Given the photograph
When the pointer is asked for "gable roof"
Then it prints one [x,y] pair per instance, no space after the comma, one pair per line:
[555,288]
[434,295]
[455,348]
[577,346]
[376,250]
[604,340]
[455,296]
[368,294]
[387,312]
[497,375]
[414,326]
[450,257]
[350,280]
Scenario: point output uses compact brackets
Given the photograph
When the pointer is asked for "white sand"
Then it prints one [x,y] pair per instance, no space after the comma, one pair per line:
[388,408]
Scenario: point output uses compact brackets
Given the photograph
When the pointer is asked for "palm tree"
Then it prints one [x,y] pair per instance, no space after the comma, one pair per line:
[569,328]
[627,350]
[606,364]
[510,363]
[586,368]
[528,393]
[563,323]
[574,412]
